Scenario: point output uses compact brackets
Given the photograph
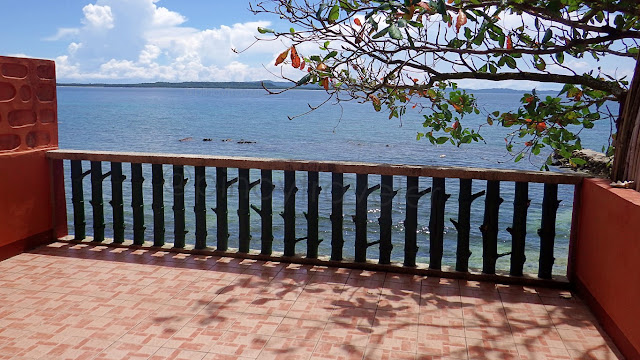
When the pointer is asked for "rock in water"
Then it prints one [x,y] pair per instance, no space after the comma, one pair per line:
[598,164]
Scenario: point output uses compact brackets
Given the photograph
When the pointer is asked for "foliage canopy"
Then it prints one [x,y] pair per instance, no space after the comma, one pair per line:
[400,55]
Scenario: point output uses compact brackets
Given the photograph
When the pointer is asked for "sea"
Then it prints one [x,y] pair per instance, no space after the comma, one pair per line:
[250,122]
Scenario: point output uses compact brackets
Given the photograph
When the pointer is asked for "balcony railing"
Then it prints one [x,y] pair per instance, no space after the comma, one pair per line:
[515,187]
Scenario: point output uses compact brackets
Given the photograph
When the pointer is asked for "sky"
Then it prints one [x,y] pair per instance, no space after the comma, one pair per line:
[128,41]
[139,40]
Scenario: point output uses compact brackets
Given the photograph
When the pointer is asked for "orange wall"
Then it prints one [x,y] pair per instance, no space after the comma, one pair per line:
[607,260]
[28,128]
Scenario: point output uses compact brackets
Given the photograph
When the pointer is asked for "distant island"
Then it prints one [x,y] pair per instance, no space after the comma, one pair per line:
[200,85]
[271,85]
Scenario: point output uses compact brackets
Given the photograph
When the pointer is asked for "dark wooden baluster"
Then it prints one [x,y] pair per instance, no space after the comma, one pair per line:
[518,230]
[312,215]
[362,194]
[337,199]
[200,207]
[463,225]
[436,223]
[157,182]
[179,212]
[289,214]
[266,213]
[137,203]
[547,232]
[490,228]
[221,209]
[97,200]
[117,202]
[411,220]
[244,220]
[77,198]
[386,219]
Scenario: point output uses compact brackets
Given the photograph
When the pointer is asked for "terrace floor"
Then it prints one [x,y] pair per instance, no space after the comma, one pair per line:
[85,301]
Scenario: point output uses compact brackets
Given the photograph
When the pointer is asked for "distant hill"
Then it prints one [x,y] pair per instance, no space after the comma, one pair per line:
[272,85]
[198,85]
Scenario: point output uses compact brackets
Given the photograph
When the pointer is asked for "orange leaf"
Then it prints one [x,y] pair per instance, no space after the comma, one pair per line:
[462,19]
[325,83]
[509,43]
[541,126]
[449,1]
[357,22]
[321,67]
[302,65]
[282,57]
[374,99]
[295,59]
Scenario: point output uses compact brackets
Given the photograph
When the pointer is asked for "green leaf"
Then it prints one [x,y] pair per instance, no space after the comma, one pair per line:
[441,140]
[519,157]
[560,57]
[330,55]
[381,33]
[578,161]
[262,30]
[305,79]
[334,14]
[321,9]
[394,32]
[441,8]
[547,36]
[511,62]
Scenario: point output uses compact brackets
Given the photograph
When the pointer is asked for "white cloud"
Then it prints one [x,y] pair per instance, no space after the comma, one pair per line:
[63,33]
[137,40]
[165,17]
[98,16]
[73,47]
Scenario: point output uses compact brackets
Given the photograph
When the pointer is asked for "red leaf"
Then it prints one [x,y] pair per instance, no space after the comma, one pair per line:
[509,43]
[325,83]
[302,65]
[295,59]
[357,22]
[424,5]
[282,57]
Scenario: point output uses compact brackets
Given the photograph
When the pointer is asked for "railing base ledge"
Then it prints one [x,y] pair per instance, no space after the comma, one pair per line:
[557,282]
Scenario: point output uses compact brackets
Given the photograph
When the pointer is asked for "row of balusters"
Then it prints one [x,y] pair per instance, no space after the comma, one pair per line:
[489,228]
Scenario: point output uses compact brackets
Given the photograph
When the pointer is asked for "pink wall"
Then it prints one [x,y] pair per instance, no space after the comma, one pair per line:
[28,128]
[607,260]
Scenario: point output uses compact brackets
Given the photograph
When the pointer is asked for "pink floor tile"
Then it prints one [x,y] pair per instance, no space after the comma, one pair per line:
[149,333]
[396,340]
[87,301]
[119,351]
[177,354]
[346,335]
[337,351]
[300,329]
[256,324]
[372,353]
[442,345]
[195,339]
[240,344]
[278,348]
